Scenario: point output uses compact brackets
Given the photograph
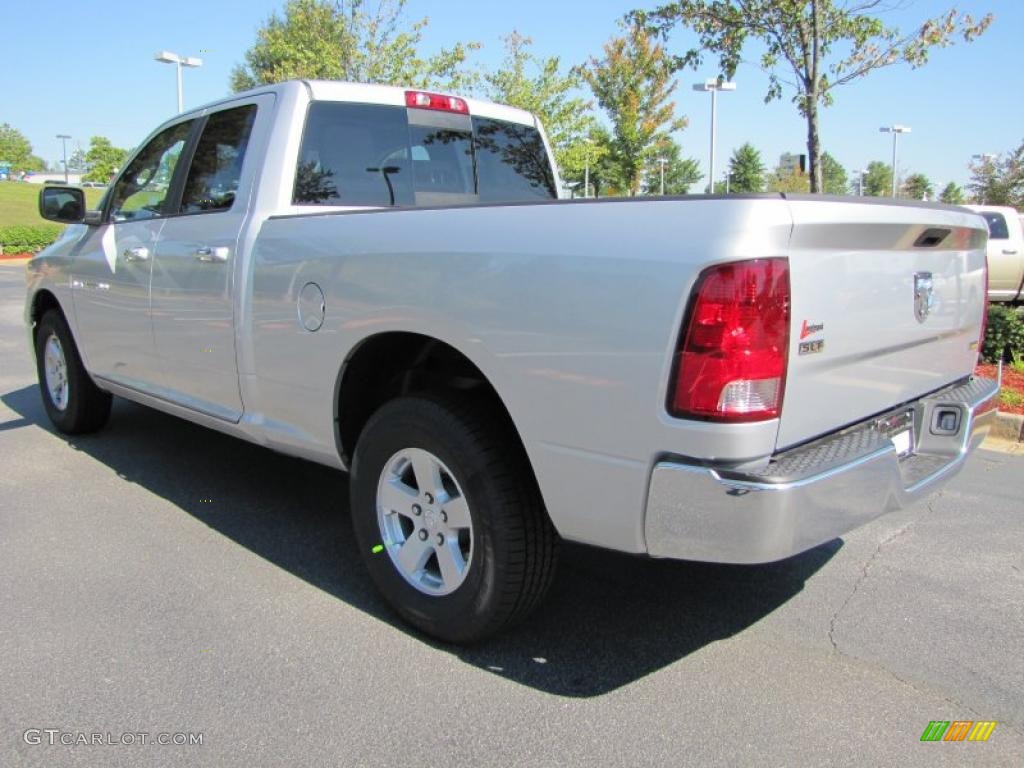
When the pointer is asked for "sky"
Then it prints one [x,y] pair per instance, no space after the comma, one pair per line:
[88,69]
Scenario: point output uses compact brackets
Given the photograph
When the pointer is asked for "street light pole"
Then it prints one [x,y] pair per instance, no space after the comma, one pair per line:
[179,61]
[661,162]
[860,182]
[895,130]
[714,85]
[64,141]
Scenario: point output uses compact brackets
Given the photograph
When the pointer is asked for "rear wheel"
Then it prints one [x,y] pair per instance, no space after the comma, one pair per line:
[72,401]
[449,519]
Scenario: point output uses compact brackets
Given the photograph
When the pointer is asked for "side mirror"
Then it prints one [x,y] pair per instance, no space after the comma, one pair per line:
[63,204]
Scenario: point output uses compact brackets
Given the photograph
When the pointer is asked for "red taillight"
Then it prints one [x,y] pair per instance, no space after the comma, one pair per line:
[424,100]
[984,314]
[731,363]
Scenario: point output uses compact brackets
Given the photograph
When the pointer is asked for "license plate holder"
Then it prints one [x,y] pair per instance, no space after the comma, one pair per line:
[899,429]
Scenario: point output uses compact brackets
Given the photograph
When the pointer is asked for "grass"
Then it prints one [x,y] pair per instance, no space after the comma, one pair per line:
[1018,366]
[19,202]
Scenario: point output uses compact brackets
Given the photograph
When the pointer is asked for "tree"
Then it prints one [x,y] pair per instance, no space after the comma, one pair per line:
[103,159]
[344,40]
[999,180]
[76,162]
[877,179]
[952,194]
[833,176]
[633,83]
[605,177]
[17,150]
[538,86]
[746,171]
[917,186]
[823,44]
[788,180]
[681,173]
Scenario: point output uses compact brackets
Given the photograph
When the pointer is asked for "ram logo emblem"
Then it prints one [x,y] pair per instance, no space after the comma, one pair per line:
[924,296]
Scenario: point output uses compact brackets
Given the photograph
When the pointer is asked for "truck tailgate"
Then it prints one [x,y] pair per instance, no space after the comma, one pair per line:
[861,341]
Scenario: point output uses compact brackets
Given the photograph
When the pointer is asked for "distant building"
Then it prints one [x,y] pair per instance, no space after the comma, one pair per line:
[788,162]
[41,177]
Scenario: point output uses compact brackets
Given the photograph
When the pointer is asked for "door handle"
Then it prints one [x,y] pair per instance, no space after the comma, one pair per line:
[138,253]
[1008,252]
[217,254]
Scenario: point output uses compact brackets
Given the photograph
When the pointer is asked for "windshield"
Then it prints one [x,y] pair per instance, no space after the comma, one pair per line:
[375,155]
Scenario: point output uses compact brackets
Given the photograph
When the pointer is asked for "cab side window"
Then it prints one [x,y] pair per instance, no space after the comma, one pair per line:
[216,168]
[142,189]
[997,229]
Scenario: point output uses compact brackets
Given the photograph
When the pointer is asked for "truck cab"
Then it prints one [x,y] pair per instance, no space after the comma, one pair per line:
[1005,252]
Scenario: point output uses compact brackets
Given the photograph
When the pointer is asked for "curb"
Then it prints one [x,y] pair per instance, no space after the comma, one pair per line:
[1008,426]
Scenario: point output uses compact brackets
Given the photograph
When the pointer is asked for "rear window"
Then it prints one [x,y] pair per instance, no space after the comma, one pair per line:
[997,229]
[373,155]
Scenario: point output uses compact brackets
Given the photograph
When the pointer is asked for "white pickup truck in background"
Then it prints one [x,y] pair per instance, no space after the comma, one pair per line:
[384,281]
[1005,252]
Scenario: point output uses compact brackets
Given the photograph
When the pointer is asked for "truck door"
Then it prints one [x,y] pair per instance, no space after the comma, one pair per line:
[194,267]
[111,272]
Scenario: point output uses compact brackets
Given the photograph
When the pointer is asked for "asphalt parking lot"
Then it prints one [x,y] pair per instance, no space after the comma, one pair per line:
[160,578]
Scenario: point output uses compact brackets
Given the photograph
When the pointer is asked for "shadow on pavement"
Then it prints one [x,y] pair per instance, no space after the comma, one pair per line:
[610,618]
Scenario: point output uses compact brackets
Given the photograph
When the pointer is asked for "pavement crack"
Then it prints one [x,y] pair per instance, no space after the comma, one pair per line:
[864,570]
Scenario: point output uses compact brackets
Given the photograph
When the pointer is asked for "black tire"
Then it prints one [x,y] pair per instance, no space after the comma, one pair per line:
[514,548]
[87,407]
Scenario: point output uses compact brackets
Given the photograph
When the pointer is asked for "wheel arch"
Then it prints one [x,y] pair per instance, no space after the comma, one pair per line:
[395,363]
[42,302]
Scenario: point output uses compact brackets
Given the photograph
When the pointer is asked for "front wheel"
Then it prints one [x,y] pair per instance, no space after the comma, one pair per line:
[449,519]
[72,401]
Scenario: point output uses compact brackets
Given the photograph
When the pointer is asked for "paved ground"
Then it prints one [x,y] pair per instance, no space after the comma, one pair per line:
[162,578]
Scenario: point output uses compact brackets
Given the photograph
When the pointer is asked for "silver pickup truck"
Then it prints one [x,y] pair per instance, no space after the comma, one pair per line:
[384,281]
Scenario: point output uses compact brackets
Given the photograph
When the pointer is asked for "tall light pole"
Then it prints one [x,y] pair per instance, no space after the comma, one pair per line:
[714,85]
[661,162]
[179,61]
[64,141]
[895,130]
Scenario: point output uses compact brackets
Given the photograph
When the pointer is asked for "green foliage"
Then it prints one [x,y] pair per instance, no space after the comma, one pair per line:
[357,40]
[917,186]
[17,150]
[1004,335]
[681,173]
[999,180]
[103,159]
[793,181]
[633,83]
[605,173]
[818,46]
[537,85]
[1010,399]
[25,238]
[1017,366]
[746,171]
[878,179]
[952,194]
[834,179]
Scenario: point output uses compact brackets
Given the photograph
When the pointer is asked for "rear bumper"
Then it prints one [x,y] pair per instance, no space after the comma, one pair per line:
[813,493]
